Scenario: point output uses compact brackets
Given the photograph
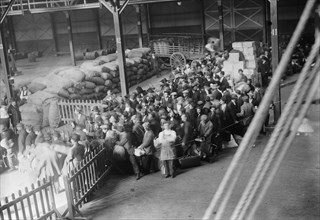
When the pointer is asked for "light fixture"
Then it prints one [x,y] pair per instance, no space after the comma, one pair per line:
[179,3]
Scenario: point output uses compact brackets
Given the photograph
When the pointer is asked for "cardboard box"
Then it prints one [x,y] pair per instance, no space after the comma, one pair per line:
[238,48]
[249,51]
[249,72]
[234,57]
[251,64]
[248,44]
[238,65]
[236,44]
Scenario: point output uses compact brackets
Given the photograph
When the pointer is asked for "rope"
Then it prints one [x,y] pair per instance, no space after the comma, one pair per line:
[256,124]
[285,147]
[277,136]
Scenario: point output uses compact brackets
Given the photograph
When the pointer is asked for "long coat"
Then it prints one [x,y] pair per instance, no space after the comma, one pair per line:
[15,115]
[167,140]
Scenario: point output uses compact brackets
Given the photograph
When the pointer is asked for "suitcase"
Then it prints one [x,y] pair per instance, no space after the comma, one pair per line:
[189,161]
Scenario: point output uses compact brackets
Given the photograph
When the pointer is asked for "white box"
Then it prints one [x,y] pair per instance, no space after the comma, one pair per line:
[236,44]
[249,57]
[238,65]
[234,57]
[249,44]
[238,48]
[251,64]
[249,51]
[228,65]
[249,72]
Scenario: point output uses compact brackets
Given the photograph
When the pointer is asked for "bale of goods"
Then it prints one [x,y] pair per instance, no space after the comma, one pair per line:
[96,79]
[108,58]
[75,96]
[54,115]
[91,55]
[112,66]
[45,116]
[99,89]
[108,83]
[119,153]
[64,93]
[86,91]
[89,64]
[39,97]
[35,87]
[79,56]
[106,76]
[88,85]
[73,74]
[90,72]
[102,52]
[31,114]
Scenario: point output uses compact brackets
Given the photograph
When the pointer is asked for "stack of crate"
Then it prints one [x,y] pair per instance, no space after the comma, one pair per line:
[233,64]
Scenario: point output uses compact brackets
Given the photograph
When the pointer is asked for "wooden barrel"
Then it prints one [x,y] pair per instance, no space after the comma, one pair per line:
[91,55]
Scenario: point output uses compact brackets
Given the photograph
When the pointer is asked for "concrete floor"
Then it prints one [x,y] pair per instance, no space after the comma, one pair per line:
[294,193]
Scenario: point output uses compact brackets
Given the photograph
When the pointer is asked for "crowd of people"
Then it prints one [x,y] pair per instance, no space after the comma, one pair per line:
[148,128]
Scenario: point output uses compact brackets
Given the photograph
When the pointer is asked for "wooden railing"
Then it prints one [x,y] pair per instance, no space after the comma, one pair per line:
[83,180]
[38,203]
[67,107]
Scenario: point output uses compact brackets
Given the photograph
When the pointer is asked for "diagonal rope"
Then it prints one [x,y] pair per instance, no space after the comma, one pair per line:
[258,119]
[278,136]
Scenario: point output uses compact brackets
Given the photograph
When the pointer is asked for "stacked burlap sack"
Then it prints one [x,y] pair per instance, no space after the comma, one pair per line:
[90,81]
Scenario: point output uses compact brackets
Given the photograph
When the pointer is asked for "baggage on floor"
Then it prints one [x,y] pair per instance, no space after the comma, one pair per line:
[189,161]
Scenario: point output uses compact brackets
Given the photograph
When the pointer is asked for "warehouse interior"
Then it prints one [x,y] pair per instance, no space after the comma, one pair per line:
[39,37]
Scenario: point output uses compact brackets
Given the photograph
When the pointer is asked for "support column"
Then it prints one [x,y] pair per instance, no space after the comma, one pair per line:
[98,28]
[139,25]
[275,54]
[12,33]
[148,21]
[70,38]
[120,51]
[54,34]
[233,23]
[5,63]
[203,23]
[221,25]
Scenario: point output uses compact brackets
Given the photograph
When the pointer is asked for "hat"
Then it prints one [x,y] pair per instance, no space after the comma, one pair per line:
[234,96]
[174,93]
[215,86]
[170,106]
[200,102]
[204,117]
[185,91]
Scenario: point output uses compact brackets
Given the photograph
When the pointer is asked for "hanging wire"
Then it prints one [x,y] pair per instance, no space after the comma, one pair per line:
[258,119]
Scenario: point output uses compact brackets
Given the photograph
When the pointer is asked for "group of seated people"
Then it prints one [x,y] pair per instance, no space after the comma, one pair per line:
[148,127]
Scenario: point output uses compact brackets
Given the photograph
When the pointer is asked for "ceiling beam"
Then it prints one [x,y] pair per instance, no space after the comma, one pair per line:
[5,13]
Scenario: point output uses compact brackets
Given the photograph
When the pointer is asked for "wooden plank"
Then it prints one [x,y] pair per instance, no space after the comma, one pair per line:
[35,200]
[29,203]
[1,212]
[41,199]
[6,200]
[15,207]
[22,205]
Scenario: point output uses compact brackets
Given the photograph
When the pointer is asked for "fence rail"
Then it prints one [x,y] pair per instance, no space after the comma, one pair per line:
[38,203]
[67,107]
[84,179]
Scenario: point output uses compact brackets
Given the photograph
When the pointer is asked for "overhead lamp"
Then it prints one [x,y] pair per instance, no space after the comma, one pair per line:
[179,3]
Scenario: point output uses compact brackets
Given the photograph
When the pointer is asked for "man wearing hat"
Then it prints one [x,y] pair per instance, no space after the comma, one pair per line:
[205,132]
[246,114]
[30,138]
[166,99]
[14,113]
[216,94]
[79,118]
[147,147]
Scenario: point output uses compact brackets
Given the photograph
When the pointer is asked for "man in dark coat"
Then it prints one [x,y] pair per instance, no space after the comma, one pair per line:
[22,135]
[137,130]
[14,114]
[187,133]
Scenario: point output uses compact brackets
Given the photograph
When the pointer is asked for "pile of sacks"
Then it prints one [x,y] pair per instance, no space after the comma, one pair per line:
[243,56]
[90,81]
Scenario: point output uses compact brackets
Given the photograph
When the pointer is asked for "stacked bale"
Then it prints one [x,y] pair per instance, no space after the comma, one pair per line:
[247,50]
[90,81]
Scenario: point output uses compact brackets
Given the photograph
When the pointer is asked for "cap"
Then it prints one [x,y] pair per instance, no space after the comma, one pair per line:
[185,91]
